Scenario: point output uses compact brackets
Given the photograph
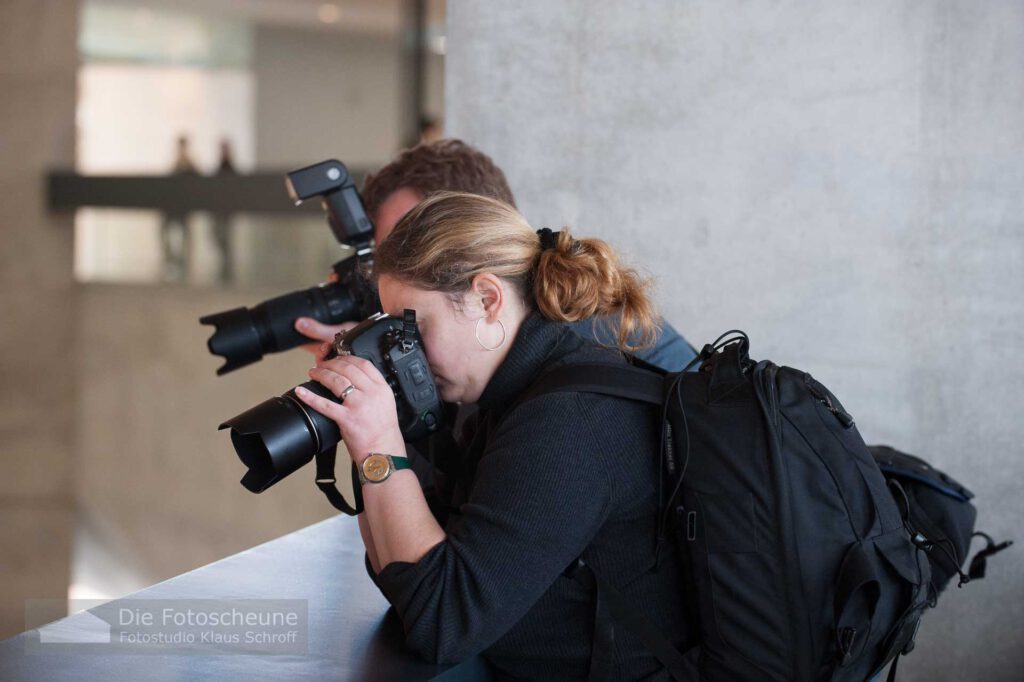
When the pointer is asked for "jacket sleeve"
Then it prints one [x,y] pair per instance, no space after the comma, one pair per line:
[539,497]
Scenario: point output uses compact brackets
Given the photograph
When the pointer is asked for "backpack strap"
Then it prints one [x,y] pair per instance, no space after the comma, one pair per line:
[619,381]
[602,650]
[611,601]
[643,384]
[980,560]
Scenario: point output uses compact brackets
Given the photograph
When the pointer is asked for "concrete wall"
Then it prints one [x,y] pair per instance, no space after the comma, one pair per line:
[842,180]
[38,59]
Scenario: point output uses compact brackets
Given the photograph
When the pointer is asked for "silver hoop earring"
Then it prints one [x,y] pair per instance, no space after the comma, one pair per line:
[500,344]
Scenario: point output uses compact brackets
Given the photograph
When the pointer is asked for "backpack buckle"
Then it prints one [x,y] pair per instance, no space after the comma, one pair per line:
[921,541]
[845,638]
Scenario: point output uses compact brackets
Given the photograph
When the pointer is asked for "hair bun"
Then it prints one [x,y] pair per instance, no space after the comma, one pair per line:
[580,279]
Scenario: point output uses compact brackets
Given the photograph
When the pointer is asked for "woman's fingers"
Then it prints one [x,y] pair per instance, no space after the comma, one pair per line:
[325,333]
[357,368]
[366,369]
[367,415]
[328,408]
[336,382]
[307,326]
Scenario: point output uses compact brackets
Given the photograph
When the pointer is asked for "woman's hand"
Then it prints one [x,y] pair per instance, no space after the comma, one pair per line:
[324,333]
[367,417]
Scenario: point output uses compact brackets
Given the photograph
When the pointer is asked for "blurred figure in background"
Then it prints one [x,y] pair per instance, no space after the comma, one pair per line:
[222,221]
[174,234]
[183,163]
[226,164]
[430,130]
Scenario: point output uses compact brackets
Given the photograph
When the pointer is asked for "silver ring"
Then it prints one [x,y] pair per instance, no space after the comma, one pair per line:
[347,390]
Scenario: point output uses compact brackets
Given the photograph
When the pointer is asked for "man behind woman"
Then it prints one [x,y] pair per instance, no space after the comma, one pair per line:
[453,165]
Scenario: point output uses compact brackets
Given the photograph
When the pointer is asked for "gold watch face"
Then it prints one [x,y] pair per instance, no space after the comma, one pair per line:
[376,468]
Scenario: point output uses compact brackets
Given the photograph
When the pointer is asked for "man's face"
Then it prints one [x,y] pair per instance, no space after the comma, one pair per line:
[396,205]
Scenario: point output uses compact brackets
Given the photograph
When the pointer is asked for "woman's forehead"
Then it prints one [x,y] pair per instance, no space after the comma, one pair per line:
[396,296]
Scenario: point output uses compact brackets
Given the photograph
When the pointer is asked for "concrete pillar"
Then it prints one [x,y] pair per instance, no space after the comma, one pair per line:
[841,180]
[38,65]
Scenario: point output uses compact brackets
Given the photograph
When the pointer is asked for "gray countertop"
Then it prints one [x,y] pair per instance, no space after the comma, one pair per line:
[345,629]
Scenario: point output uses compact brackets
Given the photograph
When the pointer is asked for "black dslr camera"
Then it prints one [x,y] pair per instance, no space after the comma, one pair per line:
[244,335]
[282,434]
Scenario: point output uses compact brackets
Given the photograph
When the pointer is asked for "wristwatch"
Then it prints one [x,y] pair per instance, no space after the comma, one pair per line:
[378,467]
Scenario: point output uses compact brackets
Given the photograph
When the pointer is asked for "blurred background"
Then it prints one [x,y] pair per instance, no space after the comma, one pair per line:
[115,476]
[842,180]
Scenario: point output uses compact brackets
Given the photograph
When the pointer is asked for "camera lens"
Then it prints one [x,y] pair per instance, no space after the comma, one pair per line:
[279,436]
[282,434]
[244,335]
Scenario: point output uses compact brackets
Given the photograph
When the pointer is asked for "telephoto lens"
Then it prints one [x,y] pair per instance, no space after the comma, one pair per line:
[244,335]
[279,436]
[283,434]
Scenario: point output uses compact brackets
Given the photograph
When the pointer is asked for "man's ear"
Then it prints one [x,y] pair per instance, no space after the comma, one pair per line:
[489,293]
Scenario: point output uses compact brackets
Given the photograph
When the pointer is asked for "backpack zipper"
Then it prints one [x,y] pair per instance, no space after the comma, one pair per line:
[766,388]
[844,417]
[767,377]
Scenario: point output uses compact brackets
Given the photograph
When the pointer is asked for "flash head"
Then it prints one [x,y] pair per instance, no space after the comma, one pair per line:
[316,180]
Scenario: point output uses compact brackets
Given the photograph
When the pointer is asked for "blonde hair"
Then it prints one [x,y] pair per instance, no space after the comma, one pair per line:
[451,237]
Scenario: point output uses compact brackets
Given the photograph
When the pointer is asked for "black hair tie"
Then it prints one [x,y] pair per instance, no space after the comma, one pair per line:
[548,239]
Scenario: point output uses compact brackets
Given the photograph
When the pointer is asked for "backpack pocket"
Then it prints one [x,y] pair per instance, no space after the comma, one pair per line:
[913,586]
[880,592]
[728,522]
[734,578]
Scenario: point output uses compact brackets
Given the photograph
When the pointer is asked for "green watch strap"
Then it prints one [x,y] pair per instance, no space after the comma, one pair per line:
[378,467]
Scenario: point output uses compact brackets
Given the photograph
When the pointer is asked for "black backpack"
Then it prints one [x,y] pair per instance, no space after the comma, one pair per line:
[938,513]
[800,562]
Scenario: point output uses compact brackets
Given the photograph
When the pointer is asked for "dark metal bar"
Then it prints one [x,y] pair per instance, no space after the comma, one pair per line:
[175,194]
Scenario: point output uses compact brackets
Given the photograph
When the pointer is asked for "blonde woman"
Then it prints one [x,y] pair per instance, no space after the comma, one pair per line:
[538,484]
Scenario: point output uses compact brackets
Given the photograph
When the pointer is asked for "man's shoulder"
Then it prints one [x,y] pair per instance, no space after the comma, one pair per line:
[671,351]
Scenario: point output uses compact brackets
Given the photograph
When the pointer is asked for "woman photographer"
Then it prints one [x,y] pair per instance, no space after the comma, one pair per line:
[538,484]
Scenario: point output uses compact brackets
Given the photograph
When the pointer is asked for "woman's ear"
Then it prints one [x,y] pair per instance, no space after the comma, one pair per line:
[489,294]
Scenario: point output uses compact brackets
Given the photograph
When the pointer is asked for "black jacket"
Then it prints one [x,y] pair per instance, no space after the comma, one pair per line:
[538,485]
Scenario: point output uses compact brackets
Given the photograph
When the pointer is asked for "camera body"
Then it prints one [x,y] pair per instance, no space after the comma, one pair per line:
[244,335]
[282,434]
[395,348]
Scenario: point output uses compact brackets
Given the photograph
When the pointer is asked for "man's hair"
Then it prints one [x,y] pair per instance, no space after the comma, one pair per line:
[444,165]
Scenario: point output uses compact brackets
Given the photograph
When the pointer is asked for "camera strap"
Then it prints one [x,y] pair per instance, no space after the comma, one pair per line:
[325,481]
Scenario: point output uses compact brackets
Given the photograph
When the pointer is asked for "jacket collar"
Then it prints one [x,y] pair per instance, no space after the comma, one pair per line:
[538,344]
